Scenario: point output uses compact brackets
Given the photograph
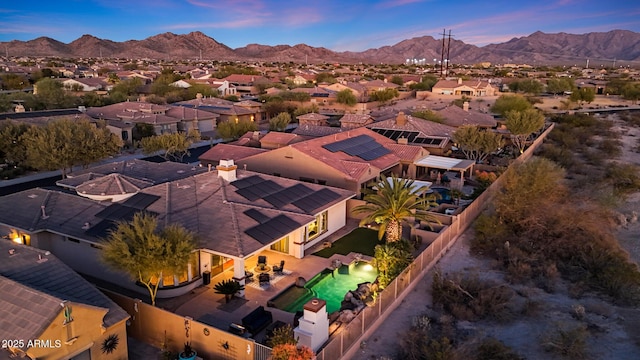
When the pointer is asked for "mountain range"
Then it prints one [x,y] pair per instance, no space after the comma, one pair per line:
[605,48]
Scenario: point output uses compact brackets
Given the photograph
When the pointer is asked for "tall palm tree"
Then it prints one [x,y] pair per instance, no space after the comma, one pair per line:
[396,201]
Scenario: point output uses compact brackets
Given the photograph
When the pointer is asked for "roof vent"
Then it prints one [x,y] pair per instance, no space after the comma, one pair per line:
[44,212]
[86,226]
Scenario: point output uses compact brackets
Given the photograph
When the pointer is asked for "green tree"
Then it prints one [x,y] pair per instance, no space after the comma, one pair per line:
[631,91]
[325,78]
[429,115]
[521,124]
[510,102]
[64,143]
[280,122]
[173,146]
[527,86]
[426,84]
[142,130]
[559,85]
[384,95]
[281,336]
[228,288]
[13,148]
[127,87]
[391,260]
[346,97]
[396,201]
[146,253]
[477,144]
[397,79]
[232,130]
[51,93]
[13,82]
[583,95]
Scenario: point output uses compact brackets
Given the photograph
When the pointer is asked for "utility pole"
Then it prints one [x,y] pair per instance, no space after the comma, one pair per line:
[442,54]
[448,58]
[446,47]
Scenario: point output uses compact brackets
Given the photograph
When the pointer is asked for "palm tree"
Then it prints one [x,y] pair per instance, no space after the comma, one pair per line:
[396,201]
[228,288]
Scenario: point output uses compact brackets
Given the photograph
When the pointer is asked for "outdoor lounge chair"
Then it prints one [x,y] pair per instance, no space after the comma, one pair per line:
[262,262]
[248,276]
[278,269]
[264,279]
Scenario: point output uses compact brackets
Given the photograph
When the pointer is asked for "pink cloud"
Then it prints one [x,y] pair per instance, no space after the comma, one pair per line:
[396,3]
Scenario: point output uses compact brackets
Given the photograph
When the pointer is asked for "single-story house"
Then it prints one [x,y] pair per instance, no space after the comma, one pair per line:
[464,87]
[407,129]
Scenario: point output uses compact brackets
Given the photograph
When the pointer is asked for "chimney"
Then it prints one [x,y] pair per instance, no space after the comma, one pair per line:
[227,170]
[256,135]
[401,119]
[459,81]
[465,106]
[403,141]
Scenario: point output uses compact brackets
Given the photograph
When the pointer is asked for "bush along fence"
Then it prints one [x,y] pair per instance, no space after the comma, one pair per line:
[341,344]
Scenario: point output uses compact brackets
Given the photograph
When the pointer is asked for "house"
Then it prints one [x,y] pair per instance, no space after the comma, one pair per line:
[315,131]
[223,87]
[275,139]
[464,87]
[45,116]
[406,129]
[352,121]
[235,213]
[358,90]
[122,117]
[181,84]
[378,85]
[456,116]
[223,151]
[318,94]
[244,84]
[226,111]
[86,84]
[347,160]
[313,119]
[48,311]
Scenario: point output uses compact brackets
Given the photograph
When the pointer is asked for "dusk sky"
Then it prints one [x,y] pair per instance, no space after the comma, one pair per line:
[338,25]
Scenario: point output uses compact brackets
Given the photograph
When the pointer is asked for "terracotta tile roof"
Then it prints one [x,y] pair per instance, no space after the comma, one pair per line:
[426,127]
[456,117]
[407,152]
[315,149]
[281,138]
[356,119]
[316,130]
[229,152]
[312,117]
[33,283]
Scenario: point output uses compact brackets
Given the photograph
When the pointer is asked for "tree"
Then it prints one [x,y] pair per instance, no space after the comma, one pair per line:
[291,352]
[280,122]
[346,97]
[51,93]
[510,102]
[396,201]
[391,260]
[64,143]
[174,146]
[477,144]
[281,336]
[228,288]
[521,124]
[426,84]
[384,95]
[147,254]
[583,94]
[528,86]
[397,79]
[233,130]
[13,148]
[560,85]
[631,91]
[13,82]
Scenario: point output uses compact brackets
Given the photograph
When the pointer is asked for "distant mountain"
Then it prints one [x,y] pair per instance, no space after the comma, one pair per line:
[537,48]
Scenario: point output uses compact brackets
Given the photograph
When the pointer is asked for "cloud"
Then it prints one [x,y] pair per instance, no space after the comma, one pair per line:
[396,3]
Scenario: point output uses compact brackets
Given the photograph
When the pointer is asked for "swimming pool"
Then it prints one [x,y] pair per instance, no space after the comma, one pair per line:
[445,195]
[329,285]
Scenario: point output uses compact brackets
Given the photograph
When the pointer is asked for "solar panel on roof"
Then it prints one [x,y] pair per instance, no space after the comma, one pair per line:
[101,229]
[272,230]
[246,182]
[314,201]
[288,195]
[348,143]
[141,201]
[253,190]
[116,212]
[256,215]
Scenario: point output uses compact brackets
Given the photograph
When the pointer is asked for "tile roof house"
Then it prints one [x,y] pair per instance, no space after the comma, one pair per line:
[352,121]
[228,152]
[456,116]
[407,129]
[276,139]
[464,87]
[313,131]
[87,84]
[312,118]
[348,160]
[359,90]
[234,213]
[43,299]
[226,111]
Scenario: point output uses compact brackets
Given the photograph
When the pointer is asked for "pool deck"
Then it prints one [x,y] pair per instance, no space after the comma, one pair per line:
[204,305]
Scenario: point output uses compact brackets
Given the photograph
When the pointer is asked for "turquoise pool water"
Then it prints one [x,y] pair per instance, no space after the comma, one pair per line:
[328,285]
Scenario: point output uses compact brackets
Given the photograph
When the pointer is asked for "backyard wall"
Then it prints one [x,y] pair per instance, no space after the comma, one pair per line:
[364,324]
[156,326]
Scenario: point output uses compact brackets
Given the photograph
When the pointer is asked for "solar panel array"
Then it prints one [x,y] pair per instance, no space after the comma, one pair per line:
[316,200]
[411,136]
[121,212]
[288,195]
[259,190]
[141,201]
[274,228]
[363,146]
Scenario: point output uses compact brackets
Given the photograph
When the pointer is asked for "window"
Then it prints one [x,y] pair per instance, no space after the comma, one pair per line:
[282,245]
[317,227]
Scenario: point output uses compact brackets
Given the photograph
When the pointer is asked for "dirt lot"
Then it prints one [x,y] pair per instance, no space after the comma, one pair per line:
[613,331]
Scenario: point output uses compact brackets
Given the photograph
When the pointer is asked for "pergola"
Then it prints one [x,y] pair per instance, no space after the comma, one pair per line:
[446,163]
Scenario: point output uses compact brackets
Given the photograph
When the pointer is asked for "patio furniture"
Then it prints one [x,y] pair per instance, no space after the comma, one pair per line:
[278,269]
[257,320]
[239,330]
[262,262]
[248,276]
[264,278]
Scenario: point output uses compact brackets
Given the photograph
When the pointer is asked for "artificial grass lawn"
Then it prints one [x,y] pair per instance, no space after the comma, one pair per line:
[360,240]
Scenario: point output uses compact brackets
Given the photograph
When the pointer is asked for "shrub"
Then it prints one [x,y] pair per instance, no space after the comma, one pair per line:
[493,349]
[568,342]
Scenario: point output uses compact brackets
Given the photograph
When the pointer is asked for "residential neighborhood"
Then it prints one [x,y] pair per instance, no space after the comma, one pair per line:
[227,210]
